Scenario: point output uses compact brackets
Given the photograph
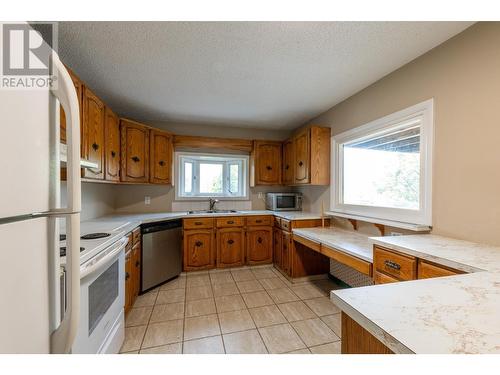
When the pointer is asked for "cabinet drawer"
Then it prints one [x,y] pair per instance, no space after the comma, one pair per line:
[277,222]
[382,278]
[136,234]
[359,265]
[199,223]
[399,266]
[259,220]
[229,222]
[286,225]
[427,270]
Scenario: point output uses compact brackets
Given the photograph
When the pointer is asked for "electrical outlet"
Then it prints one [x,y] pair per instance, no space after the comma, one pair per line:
[395,234]
[261,195]
[147,200]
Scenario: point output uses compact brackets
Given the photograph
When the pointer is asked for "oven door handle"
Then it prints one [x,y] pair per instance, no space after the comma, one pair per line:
[105,259]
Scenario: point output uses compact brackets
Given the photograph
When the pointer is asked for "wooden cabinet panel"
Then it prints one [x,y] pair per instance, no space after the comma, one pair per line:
[359,265]
[319,171]
[286,225]
[427,270]
[128,281]
[136,269]
[112,146]
[302,157]
[259,245]
[277,248]
[136,235]
[134,152]
[230,247]
[79,93]
[198,223]
[161,150]
[357,340]
[267,162]
[288,162]
[198,249]
[93,134]
[286,253]
[396,265]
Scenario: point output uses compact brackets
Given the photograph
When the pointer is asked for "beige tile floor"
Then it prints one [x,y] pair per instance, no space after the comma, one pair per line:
[246,310]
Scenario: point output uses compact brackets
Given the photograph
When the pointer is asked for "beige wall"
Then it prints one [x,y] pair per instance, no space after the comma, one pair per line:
[463,77]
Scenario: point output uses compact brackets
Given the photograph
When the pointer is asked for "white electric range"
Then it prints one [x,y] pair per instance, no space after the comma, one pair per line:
[101,327]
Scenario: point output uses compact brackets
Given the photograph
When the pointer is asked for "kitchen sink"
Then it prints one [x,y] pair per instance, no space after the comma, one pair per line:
[212,212]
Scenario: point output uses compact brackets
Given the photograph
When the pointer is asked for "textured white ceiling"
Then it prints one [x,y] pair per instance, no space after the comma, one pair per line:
[274,75]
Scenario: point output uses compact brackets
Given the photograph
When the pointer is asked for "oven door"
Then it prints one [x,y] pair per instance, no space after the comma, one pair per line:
[102,293]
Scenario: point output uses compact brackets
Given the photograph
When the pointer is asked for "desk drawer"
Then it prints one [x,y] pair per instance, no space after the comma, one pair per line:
[229,222]
[307,243]
[382,278]
[401,267]
[286,225]
[199,223]
[359,265]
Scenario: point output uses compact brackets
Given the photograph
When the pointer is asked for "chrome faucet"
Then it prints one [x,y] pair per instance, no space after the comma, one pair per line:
[212,202]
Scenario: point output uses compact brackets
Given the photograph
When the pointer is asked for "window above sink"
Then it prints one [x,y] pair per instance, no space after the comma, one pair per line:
[203,175]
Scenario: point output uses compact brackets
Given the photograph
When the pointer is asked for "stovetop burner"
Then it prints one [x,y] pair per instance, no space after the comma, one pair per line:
[62,250]
[62,237]
[95,236]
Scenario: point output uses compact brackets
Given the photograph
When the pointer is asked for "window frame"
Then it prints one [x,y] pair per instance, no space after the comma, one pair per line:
[392,122]
[195,158]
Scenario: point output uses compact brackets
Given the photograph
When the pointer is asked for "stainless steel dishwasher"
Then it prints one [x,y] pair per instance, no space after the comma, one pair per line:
[161,252]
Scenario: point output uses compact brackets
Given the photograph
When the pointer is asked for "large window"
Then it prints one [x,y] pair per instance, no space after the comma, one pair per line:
[205,175]
[384,169]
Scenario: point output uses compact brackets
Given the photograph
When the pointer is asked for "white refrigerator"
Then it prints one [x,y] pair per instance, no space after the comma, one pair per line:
[31,320]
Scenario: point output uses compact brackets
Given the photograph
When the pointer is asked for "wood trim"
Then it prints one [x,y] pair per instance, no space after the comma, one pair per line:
[359,265]
[188,141]
[427,270]
[357,340]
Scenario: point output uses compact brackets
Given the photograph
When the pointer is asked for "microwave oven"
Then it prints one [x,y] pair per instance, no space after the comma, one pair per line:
[284,201]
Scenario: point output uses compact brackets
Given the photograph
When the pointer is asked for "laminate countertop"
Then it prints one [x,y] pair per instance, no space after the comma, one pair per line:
[454,314]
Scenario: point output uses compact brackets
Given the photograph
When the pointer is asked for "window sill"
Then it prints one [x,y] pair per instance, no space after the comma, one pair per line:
[390,223]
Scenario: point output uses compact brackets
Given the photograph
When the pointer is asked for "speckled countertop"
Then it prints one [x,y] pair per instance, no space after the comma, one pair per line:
[347,241]
[455,314]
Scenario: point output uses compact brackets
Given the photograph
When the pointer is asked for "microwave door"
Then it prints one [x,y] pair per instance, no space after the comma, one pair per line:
[285,202]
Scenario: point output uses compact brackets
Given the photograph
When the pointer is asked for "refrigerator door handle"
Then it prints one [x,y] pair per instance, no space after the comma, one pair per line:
[62,338]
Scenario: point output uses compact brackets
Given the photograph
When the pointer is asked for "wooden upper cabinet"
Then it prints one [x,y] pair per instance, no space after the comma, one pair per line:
[288,162]
[112,148]
[93,134]
[161,150]
[259,245]
[302,157]
[134,152]
[266,157]
[230,247]
[79,93]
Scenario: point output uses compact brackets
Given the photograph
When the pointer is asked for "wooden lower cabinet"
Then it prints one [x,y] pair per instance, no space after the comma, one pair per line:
[199,249]
[357,340]
[286,254]
[136,269]
[277,248]
[259,245]
[230,247]
[133,268]
[128,281]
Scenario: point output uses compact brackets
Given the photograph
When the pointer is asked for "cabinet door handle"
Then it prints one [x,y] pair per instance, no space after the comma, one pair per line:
[127,276]
[393,265]
[95,146]
[258,221]
[137,263]
[113,154]
[198,223]
[269,167]
[259,240]
[135,158]
[230,242]
[230,222]
[198,243]
[287,167]
[162,163]
[301,163]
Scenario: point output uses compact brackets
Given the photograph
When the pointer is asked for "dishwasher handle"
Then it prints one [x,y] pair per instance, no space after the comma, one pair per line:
[157,227]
